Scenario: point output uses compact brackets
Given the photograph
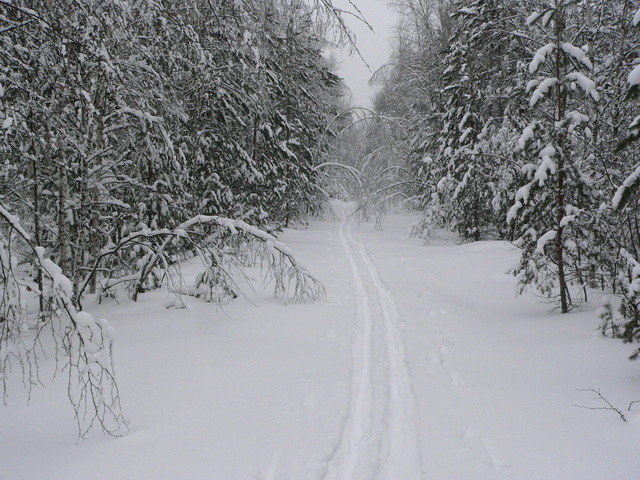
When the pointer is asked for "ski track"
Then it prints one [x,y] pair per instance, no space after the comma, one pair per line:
[379,440]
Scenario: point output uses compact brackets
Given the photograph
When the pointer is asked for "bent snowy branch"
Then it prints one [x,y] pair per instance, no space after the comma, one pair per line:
[288,274]
[87,344]
[209,235]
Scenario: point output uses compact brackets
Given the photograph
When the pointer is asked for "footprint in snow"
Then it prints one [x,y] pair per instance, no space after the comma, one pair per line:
[332,334]
[458,381]
[435,359]
[490,449]
[311,401]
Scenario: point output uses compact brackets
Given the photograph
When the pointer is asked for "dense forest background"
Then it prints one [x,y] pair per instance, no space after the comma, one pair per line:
[137,133]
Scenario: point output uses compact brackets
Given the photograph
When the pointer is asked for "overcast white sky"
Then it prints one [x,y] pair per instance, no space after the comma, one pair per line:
[373,46]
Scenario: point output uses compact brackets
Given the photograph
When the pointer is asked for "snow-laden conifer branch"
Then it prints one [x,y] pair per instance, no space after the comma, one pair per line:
[577,53]
[588,85]
[625,191]
[540,56]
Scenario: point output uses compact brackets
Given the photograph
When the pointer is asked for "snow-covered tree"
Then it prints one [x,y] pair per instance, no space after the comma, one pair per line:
[547,211]
[134,133]
[523,122]
[619,220]
[468,168]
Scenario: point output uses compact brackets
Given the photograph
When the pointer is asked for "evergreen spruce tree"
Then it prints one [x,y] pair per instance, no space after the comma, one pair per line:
[557,189]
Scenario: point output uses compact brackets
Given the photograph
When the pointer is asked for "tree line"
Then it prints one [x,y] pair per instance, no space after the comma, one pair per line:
[520,120]
[137,132]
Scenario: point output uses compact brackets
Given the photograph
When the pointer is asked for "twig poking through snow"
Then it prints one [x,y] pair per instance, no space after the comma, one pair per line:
[600,397]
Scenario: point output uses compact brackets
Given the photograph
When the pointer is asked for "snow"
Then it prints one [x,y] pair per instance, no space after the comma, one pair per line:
[541,90]
[567,219]
[540,56]
[465,134]
[627,182]
[84,319]
[463,121]
[375,443]
[577,117]
[532,18]
[544,239]
[465,380]
[547,17]
[531,84]
[634,76]
[234,225]
[14,222]
[585,83]
[547,165]
[527,134]
[59,281]
[141,115]
[634,286]
[513,211]
[578,54]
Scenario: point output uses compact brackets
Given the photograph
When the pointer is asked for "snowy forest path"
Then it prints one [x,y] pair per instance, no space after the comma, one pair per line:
[379,439]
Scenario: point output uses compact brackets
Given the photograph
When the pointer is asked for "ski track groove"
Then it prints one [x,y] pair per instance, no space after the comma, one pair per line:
[379,440]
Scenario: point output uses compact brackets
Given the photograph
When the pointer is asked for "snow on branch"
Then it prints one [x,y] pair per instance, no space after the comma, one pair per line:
[541,90]
[547,165]
[634,76]
[352,170]
[544,239]
[588,85]
[522,197]
[628,187]
[578,54]
[288,274]
[13,221]
[540,56]
[546,16]
[87,344]
[140,237]
[527,134]
[531,19]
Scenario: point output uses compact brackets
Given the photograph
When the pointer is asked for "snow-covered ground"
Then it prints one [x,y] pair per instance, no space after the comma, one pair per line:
[421,364]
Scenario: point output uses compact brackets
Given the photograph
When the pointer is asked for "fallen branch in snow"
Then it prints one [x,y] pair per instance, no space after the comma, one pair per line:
[602,398]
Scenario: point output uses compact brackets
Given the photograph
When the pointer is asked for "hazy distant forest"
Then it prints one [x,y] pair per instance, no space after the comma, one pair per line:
[136,133]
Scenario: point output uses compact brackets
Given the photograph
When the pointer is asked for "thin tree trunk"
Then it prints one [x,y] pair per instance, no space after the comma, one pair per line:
[560,199]
[63,236]
[36,228]
[95,193]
